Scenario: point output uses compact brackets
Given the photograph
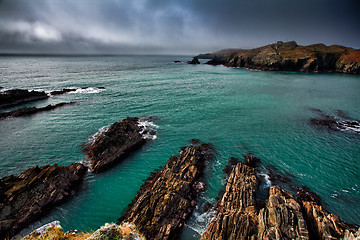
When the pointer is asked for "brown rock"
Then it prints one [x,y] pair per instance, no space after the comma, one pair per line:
[281,218]
[237,215]
[27,197]
[113,145]
[167,198]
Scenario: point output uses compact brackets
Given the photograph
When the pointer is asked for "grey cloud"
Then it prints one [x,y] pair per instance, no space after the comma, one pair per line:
[171,26]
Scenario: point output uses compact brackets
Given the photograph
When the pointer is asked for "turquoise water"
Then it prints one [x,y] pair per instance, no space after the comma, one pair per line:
[236,110]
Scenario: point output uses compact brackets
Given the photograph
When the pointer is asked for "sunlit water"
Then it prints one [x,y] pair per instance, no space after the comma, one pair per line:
[236,110]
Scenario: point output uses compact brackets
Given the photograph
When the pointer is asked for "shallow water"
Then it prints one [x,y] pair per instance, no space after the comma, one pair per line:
[237,110]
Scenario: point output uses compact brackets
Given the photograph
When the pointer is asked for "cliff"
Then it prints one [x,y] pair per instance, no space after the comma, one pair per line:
[290,56]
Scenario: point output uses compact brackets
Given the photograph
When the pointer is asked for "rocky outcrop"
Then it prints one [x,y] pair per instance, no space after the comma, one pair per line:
[16,97]
[280,216]
[290,56]
[27,111]
[194,61]
[237,215]
[113,145]
[27,197]
[322,224]
[167,198]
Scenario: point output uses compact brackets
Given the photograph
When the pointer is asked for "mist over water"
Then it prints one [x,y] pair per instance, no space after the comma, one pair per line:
[238,111]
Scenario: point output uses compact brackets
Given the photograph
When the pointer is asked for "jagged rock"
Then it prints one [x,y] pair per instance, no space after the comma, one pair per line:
[289,56]
[26,111]
[281,218]
[167,198]
[237,215]
[321,223]
[116,143]
[16,97]
[44,231]
[25,198]
[194,61]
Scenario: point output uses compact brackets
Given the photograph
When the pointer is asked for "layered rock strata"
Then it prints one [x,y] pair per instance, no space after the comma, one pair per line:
[25,198]
[237,215]
[289,56]
[27,111]
[16,97]
[167,198]
[113,145]
[241,216]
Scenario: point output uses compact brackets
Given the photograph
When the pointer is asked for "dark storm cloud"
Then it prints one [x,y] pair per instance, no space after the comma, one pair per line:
[172,26]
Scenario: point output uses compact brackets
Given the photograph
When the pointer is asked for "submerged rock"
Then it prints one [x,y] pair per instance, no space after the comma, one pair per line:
[339,122]
[167,198]
[27,197]
[117,142]
[16,97]
[26,111]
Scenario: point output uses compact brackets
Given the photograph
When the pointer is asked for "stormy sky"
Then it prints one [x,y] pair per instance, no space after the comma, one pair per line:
[172,26]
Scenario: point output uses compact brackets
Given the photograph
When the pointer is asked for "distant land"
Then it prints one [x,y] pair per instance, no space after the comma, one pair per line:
[289,56]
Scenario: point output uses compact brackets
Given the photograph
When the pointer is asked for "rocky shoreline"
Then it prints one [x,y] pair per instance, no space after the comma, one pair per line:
[289,56]
[27,197]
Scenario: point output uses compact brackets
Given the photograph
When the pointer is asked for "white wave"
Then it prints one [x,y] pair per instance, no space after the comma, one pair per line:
[98,133]
[147,128]
[88,90]
[202,221]
[346,126]
[267,179]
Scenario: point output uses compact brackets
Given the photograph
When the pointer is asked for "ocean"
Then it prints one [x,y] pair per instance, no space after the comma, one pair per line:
[238,111]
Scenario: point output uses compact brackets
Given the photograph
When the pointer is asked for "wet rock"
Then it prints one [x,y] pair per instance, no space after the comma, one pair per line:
[16,97]
[27,197]
[231,164]
[177,61]
[251,161]
[281,218]
[27,111]
[167,198]
[237,214]
[194,141]
[65,90]
[340,122]
[113,145]
[304,194]
[194,61]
